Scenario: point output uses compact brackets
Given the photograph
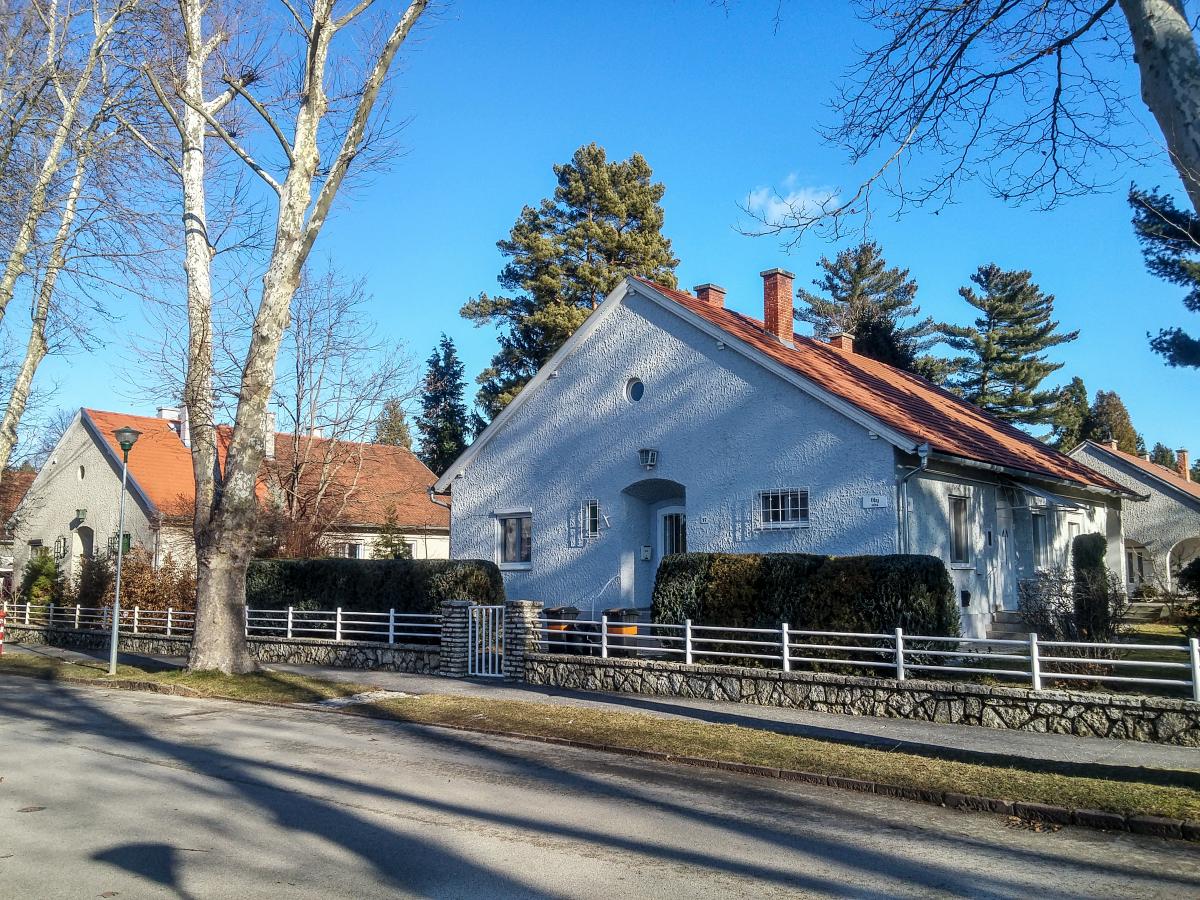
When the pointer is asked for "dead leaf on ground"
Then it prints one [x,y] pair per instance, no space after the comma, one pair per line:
[31,809]
[1032,825]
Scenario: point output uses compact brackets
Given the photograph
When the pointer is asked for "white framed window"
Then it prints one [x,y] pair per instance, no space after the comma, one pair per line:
[352,550]
[960,530]
[1041,540]
[782,508]
[1072,533]
[515,537]
[591,519]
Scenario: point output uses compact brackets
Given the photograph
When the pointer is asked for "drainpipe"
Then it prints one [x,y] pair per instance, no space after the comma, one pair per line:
[433,498]
[923,456]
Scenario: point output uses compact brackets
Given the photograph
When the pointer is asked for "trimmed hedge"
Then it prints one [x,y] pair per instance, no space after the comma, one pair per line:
[371,585]
[816,593]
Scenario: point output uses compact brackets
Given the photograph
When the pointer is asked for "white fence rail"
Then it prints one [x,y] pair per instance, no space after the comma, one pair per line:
[896,655]
[325,624]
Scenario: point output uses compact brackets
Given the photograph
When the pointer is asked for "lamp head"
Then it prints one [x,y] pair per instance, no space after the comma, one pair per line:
[127,437]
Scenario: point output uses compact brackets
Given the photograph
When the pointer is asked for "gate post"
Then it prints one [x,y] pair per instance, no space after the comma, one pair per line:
[455,642]
[521,618]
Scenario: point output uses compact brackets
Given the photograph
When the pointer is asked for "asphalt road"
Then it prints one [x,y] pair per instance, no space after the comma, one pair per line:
[107,793]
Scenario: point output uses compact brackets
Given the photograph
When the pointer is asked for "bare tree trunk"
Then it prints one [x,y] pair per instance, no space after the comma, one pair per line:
[37,346]
[219,640]
[1165,50]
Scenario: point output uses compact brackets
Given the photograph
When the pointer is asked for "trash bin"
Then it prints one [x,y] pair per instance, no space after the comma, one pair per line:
[560,628]
[622,630]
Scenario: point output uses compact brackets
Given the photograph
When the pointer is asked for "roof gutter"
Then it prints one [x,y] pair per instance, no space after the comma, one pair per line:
[1036,476]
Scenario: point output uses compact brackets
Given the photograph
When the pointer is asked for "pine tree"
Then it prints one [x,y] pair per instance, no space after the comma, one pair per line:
[443,424]
[1109,420]
[1069,415]
[1164,456]
[392,426]
[1170,239]
[1003,363]
[603,223]
[865,298]
[391,544]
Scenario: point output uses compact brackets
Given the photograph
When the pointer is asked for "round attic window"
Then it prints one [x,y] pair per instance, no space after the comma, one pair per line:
[82,472]
[634,390]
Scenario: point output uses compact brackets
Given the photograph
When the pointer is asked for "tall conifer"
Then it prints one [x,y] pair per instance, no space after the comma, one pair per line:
[565,255]
[443,424]
[862,295]
[1003,361]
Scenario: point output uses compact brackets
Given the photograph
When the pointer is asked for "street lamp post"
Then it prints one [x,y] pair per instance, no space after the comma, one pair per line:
[126,437]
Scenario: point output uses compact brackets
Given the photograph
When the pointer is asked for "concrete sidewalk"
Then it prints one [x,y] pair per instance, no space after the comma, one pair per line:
[1117,760]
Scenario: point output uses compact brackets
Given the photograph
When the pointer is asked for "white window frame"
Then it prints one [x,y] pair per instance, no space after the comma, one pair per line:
[591,519]
[967,560]
[1042,548]
[803,509]
[498,516]
[1074,530]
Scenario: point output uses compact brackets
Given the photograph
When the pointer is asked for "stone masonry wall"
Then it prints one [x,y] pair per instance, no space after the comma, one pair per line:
[1134,718]
[419,659]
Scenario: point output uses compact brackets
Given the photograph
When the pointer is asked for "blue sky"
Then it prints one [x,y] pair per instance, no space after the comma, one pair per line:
[719,105]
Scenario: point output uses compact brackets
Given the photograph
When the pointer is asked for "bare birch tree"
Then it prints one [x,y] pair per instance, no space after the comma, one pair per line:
[304,115]
[62,148]
[1024,95]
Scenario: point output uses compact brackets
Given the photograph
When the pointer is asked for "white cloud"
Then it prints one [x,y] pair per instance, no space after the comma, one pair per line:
[788,202]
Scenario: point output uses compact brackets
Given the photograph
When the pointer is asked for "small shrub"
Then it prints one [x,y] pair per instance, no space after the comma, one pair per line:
[172,585]
[42,582]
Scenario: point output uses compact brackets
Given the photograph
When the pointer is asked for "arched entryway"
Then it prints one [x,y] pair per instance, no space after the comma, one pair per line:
[656,510]
[83,546]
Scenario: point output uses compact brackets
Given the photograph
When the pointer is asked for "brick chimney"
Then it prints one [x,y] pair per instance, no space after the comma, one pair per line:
[712,294]
[842,340]
[1181,458]
[1112,445]
[777,304]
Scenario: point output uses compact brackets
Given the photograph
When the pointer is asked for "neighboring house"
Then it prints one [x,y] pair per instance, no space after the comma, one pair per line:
[668,422]
[1162,535]
[71,508]
[13,486]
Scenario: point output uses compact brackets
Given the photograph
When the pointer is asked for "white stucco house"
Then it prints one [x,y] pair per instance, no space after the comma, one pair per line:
[70,509]
[671,422]
[1162,534]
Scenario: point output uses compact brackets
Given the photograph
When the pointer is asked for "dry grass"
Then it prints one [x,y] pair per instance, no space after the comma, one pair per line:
[729,743]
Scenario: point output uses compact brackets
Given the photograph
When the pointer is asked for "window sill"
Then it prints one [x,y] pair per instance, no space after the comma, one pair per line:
[963,566]
[789,526]
[516,567]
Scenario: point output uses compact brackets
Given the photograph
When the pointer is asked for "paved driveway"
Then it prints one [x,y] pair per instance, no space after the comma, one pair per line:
[153,796]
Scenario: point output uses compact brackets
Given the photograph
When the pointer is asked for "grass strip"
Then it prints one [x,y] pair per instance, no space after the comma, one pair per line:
[677,737]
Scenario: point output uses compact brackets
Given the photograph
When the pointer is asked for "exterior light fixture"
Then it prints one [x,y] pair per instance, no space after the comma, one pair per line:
[648,458]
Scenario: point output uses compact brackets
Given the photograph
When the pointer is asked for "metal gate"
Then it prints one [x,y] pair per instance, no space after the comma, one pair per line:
[485,642]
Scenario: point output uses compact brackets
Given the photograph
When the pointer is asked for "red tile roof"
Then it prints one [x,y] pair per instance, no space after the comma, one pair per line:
[907,403]
[1170,476]
[13,487]
[162,468]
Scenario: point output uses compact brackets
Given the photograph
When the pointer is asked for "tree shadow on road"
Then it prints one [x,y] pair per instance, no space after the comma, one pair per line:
[810,853]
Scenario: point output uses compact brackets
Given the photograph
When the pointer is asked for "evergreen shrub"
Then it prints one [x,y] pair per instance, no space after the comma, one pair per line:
[371,585]
[815,593]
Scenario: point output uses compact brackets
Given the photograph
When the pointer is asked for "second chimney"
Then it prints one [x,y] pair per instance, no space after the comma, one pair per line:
[712,294]
[777,304]
[1185,469]
[842,340]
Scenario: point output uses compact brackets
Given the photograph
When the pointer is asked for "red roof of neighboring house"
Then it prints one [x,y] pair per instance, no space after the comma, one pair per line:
[1170,476]
[905,402]
[162,467]
[13,486]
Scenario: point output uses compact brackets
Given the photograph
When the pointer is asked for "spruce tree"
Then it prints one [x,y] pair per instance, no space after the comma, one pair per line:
[392,425]
[1069,415]
[1003,362]
[391,544]
[1109,420]
[443,424]
[1164,456]
[863,296]
[1170,239]
[564,256]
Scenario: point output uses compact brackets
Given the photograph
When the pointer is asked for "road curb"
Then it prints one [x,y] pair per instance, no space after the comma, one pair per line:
[1026,811]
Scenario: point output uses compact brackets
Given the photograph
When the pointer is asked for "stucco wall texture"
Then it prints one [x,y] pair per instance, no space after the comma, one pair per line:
[1159,523]
[724,429]
[78,475]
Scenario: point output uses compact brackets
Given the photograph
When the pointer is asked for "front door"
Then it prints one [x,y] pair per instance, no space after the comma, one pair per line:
[1006,563]
[672,533]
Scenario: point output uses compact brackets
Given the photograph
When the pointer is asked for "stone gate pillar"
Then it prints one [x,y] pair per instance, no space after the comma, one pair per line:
[521,619]
[455,644]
